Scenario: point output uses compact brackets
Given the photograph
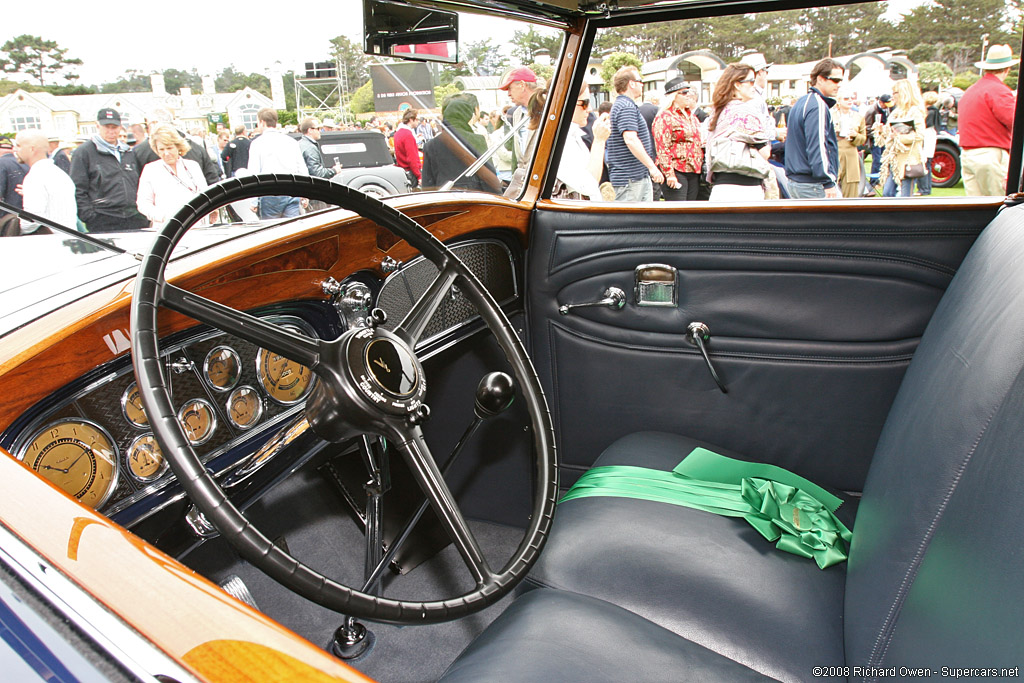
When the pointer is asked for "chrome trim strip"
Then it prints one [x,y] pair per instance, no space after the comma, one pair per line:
[124,644]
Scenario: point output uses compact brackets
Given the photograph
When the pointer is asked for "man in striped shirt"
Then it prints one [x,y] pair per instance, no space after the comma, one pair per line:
[629,152]
[812,151]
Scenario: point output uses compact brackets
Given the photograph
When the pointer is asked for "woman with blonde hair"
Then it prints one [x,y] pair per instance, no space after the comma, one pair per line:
[903,158]
[168,183]
[736,118]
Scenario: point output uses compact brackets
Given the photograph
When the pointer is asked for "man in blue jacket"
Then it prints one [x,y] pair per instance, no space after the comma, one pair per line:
[812,151]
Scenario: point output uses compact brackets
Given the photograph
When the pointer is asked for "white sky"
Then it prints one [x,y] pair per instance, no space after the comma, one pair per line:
[205,40]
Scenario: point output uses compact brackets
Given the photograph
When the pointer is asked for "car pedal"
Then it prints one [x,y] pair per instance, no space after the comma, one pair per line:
[236,588]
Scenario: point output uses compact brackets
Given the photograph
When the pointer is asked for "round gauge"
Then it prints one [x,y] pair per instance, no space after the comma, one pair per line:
[198,420]
[78,456]
[284,380]
[245,407]
[145,459]
[222,368]
[131,406]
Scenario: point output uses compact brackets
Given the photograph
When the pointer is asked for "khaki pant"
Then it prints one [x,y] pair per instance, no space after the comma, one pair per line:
[984,171]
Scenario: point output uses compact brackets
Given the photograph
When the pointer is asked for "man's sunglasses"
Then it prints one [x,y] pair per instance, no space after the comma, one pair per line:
[583,103]
[835,79]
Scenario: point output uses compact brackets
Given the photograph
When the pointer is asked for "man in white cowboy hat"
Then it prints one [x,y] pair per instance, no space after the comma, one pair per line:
[986,125]
[757,62]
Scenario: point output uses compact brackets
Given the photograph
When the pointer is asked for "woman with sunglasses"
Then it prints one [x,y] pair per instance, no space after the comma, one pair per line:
[579,169]
[851,132]
[679,143]
[736,117]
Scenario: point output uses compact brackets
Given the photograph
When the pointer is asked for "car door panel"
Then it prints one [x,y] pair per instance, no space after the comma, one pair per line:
[813,314]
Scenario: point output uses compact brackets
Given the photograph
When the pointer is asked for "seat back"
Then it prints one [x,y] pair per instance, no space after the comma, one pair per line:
[935,569]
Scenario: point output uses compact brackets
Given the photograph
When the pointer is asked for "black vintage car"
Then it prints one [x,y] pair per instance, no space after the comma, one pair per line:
[786,435]
[367,163]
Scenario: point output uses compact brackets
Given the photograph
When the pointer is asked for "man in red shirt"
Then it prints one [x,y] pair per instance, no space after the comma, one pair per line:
[407,154]
[986,125]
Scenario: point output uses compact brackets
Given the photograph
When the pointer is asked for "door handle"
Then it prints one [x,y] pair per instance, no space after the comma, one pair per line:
[614,298]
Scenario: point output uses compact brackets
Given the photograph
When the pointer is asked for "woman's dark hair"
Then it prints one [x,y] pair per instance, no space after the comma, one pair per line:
[725,89]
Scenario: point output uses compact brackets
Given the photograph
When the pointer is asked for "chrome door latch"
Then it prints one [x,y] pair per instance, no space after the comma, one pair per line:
[656,285]
[614,298]
[698,334]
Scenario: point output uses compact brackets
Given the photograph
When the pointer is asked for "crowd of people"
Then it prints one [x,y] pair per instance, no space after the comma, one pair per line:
[736,148]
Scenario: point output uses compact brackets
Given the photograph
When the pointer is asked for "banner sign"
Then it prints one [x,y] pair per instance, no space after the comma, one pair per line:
[400,86]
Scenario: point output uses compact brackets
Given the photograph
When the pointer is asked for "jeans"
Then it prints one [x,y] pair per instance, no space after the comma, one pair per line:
[906,187]
[876,160]
[806,190]
[924,183]
[635,191]
[279,207]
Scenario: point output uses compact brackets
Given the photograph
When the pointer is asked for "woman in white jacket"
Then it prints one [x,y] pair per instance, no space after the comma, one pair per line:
[166,184]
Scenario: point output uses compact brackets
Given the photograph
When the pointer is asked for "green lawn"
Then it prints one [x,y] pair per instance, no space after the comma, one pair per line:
[955,191]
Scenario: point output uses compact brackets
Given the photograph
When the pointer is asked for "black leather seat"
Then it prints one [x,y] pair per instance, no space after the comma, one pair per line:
[633,589]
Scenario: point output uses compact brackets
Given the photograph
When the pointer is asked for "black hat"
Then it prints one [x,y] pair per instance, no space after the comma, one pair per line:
[677,83]
[885,97]
[107,116]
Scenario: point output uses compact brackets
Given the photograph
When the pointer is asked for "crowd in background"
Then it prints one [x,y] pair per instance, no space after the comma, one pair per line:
[735,148]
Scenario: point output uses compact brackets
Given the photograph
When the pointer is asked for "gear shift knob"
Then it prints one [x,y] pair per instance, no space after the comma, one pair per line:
[494,394]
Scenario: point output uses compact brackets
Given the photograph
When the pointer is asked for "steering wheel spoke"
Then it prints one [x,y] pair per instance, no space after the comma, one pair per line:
[292,345]
[428,476]
[410,330]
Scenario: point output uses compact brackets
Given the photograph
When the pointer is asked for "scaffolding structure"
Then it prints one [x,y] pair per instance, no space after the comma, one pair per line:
[309,103]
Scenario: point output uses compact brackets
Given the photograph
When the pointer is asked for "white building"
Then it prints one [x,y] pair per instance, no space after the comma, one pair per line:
[74,116]
[870,73]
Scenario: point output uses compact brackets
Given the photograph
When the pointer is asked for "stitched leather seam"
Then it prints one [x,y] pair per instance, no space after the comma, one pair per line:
[889,625]
[836,254]
[741,355]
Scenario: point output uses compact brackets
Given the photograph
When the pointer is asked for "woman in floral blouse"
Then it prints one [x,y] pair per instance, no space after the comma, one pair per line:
[678,140]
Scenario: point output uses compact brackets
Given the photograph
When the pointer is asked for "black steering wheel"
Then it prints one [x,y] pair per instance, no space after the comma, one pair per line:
[369,382]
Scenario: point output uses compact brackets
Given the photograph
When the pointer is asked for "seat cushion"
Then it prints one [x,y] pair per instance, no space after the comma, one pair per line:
[550,635]
[712,580]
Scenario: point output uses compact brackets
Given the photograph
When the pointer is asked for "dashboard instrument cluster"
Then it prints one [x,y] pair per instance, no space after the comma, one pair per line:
[98,447]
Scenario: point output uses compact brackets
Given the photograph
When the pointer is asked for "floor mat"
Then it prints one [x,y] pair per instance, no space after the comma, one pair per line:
[307,513]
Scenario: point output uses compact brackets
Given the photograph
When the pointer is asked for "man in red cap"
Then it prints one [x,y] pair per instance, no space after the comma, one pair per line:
[520,83]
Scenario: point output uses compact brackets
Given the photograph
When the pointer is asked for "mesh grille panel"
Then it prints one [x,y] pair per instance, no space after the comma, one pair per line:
[489,260]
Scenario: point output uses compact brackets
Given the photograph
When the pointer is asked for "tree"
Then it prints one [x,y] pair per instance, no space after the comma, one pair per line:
[483,59]
[351,61]
[613,63]
[36,57]
[232,80]
[362,99]
[131,81]
[934,76]
[526,44]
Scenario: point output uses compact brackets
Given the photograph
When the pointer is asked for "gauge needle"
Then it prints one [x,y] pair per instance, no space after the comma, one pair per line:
[65,471]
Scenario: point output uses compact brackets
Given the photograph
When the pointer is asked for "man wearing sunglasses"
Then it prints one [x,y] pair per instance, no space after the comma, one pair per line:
[812,151]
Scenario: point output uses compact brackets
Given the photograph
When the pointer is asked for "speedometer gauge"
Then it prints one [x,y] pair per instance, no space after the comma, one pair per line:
[284,380]
[76,455]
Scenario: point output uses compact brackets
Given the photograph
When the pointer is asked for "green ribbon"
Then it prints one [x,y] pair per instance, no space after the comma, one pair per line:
[795,514]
